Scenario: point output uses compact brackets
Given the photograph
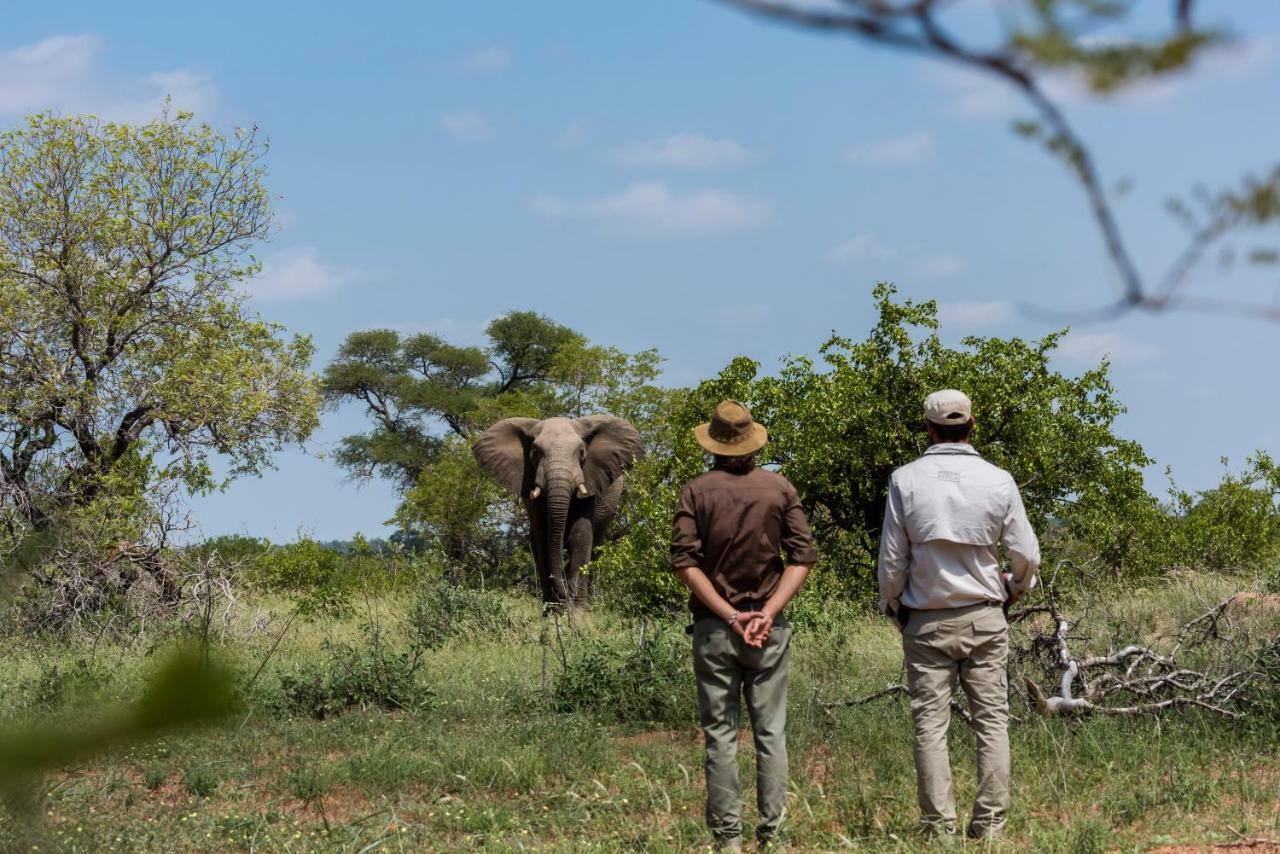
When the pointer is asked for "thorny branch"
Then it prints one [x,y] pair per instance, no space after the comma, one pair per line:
[913,26]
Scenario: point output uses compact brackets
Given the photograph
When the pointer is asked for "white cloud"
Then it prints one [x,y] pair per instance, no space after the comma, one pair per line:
[898,151]
[967,316]
[487,60]
[469,126]
[63,73]
[742,315]
[937,266]
[299,273]
[1092,347]
[652,209]
[684,151]
[869,248]
[861,247]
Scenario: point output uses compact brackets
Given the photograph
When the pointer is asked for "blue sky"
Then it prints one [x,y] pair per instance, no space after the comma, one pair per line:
[671,174]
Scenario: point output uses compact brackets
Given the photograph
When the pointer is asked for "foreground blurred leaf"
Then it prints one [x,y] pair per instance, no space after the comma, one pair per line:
[186,691]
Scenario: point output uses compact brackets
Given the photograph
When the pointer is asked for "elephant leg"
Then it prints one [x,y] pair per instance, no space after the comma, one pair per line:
[538,545]
[580,541]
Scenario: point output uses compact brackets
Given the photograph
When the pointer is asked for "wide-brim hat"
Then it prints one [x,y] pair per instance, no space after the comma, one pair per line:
[731,432]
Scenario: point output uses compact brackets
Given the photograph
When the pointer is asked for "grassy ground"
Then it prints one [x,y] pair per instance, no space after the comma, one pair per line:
[488,764]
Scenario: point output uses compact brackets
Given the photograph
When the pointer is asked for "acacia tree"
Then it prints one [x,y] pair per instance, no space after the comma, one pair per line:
[126,350]
[426,397]
[416,386]
[1098,46]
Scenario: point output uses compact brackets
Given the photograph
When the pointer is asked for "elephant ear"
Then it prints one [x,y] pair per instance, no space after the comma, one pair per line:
[503,452]
[613,446]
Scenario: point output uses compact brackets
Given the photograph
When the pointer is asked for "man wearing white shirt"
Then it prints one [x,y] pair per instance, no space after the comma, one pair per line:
[940,578]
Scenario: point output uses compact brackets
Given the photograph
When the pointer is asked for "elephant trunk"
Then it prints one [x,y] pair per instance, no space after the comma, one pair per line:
[559,489]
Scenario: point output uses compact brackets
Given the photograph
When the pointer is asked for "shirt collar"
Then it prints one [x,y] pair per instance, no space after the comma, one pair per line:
[953,448]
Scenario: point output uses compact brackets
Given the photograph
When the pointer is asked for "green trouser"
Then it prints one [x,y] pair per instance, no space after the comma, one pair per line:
[727,669]
[973,644]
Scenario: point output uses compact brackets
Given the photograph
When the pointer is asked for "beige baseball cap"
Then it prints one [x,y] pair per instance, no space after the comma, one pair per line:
[948,407]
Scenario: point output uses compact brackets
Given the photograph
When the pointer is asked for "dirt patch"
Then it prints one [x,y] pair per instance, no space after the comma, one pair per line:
[343,803]
[661,736]
[817,764]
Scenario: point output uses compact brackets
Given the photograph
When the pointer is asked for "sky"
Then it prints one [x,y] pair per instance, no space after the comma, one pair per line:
[673,174]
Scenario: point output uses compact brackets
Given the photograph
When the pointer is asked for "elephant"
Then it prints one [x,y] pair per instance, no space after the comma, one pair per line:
[569,476]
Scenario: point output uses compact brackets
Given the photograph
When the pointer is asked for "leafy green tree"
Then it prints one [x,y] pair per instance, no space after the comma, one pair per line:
[126,349]
[476,522]
[838,429]
[1233,526]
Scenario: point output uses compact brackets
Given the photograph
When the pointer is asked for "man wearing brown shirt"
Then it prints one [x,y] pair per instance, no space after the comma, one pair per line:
[732,526]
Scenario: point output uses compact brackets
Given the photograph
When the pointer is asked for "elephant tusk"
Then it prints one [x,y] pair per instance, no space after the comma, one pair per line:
[582,490]
[534,493]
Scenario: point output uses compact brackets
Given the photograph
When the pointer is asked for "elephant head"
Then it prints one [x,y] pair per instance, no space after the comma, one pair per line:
[555,460]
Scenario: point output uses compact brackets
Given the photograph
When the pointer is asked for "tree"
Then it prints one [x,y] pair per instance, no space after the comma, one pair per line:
[426,397]
[838,429]
[412,385]
[1084,42]
[125,343]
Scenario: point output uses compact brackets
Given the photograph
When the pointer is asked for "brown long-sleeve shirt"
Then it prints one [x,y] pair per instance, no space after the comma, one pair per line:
[735,527]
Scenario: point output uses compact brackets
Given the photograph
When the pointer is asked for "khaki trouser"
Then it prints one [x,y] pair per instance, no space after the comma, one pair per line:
[973,644]
[727,669]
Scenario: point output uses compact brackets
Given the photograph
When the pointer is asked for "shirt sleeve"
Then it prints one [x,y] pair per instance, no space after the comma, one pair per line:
[686,543]
[1020,544]
[895,551]
[797,539]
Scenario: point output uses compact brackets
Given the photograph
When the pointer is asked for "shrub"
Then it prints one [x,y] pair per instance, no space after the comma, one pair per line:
[308,784]
[824,604]
[351,677]
[442,611]
[840,424]
[650,681]
[153,777]
[1235,525]
[200,780]
[57,685]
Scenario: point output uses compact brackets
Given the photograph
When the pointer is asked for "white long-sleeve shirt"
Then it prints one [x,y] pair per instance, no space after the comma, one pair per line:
[944,519]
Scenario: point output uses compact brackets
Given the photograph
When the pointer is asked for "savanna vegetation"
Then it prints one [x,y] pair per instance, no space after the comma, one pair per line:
[162,693]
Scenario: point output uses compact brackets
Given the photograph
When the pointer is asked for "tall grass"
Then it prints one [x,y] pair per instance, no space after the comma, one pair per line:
[494,762]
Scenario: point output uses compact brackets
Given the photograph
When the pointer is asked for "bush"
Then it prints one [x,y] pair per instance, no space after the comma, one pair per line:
[350,677]
[1235,525]
[57,685]
[200,780]
[824,604]
[442,611]
[648,682]
[153,777]
[839,425]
